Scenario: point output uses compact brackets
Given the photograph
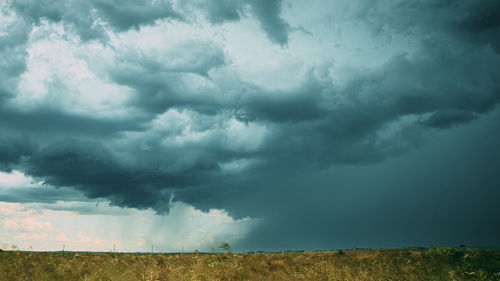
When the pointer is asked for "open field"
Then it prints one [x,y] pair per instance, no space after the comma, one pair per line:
[403,264]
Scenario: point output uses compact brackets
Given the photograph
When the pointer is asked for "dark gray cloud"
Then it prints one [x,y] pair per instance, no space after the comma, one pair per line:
[12,151]
[53,122]
[268,12]
[99,173]
[447,119]
[220,11]
[41,195]
[124,15]
[12,50]
[351,123]
[300,104]
[471,21]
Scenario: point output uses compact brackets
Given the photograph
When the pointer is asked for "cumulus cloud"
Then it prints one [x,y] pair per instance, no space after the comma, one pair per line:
[91,19]
[170,78]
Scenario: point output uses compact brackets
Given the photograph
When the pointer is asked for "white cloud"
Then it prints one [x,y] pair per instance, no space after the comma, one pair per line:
[244,136]
[9,208]
[16,179]
[26,224]
[181,128]
[60,73]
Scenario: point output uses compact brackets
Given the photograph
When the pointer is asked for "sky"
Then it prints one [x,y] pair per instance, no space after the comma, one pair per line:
[267,124]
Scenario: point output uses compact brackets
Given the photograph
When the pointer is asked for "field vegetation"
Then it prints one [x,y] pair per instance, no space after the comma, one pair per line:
[361,265]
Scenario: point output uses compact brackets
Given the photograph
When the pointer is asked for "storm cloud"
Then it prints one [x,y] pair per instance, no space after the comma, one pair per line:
[266,109]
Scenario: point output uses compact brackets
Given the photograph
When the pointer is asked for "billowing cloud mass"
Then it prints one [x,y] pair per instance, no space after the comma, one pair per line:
[302,114]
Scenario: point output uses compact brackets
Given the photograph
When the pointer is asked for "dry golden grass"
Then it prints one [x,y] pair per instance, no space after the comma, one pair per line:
[362,265]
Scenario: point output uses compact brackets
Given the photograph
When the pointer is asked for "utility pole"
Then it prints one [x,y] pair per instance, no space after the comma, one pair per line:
[64,247]
[152,247]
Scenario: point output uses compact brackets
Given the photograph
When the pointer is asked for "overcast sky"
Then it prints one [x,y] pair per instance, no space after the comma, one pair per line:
[268,124]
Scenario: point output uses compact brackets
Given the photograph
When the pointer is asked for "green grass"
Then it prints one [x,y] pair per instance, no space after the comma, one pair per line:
[375,265]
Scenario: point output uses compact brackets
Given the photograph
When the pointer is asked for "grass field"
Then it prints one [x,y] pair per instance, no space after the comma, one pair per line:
[403,264]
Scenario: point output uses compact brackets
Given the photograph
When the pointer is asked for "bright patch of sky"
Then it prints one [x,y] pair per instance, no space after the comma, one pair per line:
[97,226]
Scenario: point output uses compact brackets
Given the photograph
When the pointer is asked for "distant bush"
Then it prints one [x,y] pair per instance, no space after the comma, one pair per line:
[225,247]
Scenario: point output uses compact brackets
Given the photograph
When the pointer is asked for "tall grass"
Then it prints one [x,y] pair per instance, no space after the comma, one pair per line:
[359,265]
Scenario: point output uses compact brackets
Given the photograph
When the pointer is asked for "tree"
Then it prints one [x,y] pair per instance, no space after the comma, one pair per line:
[225,246]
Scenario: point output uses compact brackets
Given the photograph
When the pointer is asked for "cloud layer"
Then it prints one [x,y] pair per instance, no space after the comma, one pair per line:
[230,104]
